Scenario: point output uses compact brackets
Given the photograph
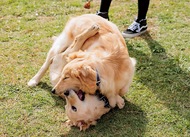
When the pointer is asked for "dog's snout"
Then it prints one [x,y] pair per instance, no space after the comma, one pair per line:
[66,93]
[53,91]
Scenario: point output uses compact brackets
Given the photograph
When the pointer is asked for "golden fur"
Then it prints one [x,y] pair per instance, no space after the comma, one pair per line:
[89,45]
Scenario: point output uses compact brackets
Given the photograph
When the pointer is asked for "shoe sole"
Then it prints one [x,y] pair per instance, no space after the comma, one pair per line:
[133,35]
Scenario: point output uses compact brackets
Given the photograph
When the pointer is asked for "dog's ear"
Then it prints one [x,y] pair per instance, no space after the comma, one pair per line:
[85,125]
[87,76]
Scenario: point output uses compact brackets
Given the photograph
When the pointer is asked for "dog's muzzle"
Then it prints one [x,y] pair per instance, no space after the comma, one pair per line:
[53,91]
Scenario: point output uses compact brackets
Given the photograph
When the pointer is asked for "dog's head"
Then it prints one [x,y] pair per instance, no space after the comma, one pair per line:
[77,75]
[83,109]
[77,80]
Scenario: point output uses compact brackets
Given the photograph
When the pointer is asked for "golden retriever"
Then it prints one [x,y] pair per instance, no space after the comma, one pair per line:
[90,67]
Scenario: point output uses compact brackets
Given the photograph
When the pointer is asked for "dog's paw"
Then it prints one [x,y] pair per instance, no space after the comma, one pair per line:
[95,27]
[120,102]
[69,123]
[32,83]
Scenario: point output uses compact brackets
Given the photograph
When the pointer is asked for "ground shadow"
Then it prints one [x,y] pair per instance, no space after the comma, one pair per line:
[59,102]
[129,121]
[162,74]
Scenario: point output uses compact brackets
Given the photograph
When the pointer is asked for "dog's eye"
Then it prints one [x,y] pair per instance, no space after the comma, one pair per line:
[65,78]
[74,108]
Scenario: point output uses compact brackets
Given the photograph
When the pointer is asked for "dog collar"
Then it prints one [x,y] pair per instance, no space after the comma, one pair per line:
[100,96]
[97,79]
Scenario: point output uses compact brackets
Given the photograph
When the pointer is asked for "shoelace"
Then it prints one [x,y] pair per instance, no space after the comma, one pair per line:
[134,26]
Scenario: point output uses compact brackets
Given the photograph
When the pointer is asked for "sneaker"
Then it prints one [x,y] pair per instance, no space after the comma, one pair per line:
[135,29]
[103,14]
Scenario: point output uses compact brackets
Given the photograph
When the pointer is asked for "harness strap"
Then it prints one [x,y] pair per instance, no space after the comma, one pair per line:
[98,94]
[103,98]
[97,79]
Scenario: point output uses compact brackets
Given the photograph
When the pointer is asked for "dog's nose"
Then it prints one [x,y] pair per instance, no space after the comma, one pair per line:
[66,93]
[53,91]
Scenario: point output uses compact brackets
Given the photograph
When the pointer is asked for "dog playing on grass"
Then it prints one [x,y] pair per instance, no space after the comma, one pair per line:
[90,67]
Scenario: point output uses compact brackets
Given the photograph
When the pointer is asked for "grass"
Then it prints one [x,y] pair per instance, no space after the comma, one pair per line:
[158,104]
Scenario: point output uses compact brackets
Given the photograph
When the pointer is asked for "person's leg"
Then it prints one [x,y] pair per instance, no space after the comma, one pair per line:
[104,8]
[142,9]
[139,26]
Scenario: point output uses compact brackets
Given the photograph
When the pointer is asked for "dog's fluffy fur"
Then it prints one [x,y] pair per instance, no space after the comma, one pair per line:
[88,46]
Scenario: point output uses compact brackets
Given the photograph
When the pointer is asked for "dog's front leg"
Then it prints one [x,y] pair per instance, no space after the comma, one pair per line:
[111,98]
[60,44]
[115,100]
[120,102]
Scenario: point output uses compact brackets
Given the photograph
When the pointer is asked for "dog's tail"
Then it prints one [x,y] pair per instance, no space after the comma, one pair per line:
[134,61]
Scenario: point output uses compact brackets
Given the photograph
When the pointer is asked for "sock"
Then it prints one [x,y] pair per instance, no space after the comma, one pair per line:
[142,9]
[105,5]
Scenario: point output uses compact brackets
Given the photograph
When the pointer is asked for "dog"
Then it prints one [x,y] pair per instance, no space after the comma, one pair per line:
[89,66]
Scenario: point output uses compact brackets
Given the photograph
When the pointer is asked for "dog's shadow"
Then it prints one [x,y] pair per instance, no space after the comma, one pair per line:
[162,74]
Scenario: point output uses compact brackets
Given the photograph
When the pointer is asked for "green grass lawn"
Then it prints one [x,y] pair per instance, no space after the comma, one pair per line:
[158,104]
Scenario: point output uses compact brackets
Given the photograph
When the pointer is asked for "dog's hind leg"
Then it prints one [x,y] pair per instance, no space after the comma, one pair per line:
[81,38]
[79,42]
[60,45]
